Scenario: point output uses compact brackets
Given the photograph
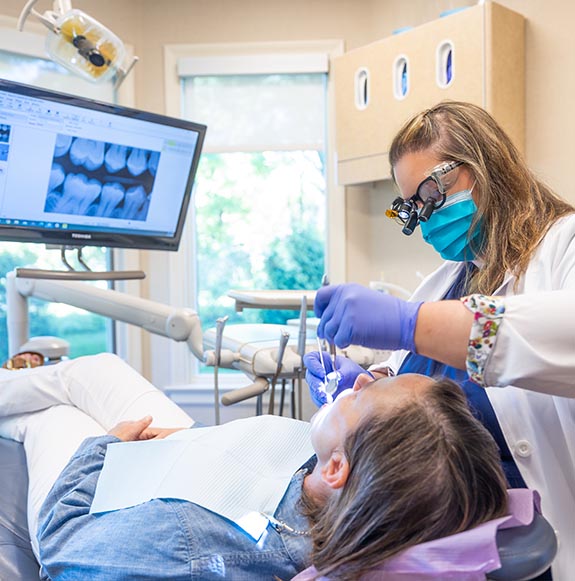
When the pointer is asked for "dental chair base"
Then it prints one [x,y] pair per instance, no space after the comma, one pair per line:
[17,562]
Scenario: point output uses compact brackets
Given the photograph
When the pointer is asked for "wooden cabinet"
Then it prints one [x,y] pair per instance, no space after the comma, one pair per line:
[475,55]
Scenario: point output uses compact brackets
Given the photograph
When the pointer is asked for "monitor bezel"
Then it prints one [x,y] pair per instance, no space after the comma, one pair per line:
[79,238]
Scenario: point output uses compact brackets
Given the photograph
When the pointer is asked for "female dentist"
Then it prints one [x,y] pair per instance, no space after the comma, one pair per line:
[509,246]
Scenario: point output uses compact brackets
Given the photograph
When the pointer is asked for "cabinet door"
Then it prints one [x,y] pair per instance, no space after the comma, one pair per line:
[421,48]
[361,80]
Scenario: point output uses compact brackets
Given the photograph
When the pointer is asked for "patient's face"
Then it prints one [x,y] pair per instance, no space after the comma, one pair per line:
[331,424]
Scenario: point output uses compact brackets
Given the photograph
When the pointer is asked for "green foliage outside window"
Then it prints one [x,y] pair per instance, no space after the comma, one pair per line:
[86,332]
[260,222]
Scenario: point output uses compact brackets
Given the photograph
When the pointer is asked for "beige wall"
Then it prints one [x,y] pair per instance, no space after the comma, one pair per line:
[374,244]
[550,125]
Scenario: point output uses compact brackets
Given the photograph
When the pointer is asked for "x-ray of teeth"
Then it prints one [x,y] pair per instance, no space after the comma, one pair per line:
[63,143]
[52,200]
[153,162]
[95,178]
[57,177]
[95,155]
[112,195]
[79,150]
[78,193]
[134,200]
[116,158]
[4,133]
[137,162]
[143,211]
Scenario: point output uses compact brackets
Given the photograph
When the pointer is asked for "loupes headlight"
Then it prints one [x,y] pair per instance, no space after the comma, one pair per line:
[405,209]
[429,196]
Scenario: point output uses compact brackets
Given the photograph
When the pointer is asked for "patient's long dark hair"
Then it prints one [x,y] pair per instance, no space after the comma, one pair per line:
[428,470]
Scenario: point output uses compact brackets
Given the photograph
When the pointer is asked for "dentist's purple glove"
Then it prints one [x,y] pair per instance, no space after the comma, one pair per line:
[314,375]
[353,314]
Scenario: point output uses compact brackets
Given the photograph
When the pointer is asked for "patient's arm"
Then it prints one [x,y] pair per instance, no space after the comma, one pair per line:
[128,431]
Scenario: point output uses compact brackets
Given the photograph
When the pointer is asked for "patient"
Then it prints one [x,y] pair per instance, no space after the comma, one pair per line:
[393,467]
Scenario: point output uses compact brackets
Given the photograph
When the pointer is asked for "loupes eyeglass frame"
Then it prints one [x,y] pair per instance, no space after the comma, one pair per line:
[430,194]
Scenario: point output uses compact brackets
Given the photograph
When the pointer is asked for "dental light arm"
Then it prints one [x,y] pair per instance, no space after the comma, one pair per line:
[80,43]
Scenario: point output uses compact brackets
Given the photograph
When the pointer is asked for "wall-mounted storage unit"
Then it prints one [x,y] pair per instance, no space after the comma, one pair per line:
[474,55]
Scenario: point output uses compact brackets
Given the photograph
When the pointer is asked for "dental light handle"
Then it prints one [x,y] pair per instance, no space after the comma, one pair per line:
[302,340]
[220,324]
[284,338]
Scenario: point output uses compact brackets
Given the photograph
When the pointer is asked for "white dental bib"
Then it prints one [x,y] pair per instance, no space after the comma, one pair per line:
[237,470]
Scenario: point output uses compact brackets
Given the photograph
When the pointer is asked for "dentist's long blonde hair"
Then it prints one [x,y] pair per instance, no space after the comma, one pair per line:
[424,471]
[515,209]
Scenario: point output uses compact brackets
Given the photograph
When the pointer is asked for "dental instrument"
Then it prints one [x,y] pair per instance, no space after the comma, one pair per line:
[331,381]
[301,349]
[284,338]
[220,324]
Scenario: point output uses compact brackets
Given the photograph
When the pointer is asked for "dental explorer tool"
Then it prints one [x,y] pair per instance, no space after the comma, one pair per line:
[331,380]
[220,324]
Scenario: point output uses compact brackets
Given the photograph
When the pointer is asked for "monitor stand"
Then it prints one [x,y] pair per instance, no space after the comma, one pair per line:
[73,274]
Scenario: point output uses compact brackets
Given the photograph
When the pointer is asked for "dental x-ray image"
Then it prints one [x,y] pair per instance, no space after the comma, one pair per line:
[95,178]
[4,133]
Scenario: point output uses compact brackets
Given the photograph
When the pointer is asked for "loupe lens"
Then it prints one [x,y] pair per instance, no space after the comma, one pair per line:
[429,190]
[427,210]
[410,224]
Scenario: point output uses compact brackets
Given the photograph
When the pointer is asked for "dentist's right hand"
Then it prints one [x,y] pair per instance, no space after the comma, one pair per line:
[314,375]
[353,314]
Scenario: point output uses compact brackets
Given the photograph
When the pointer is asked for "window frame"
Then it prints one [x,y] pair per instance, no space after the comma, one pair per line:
[172,364]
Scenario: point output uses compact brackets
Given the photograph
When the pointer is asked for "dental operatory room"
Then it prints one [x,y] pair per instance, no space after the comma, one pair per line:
[287,290]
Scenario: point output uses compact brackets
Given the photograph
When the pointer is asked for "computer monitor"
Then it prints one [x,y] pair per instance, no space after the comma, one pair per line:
[77,172]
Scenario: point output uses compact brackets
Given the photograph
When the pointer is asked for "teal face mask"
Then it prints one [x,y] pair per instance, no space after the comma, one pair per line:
[448,227]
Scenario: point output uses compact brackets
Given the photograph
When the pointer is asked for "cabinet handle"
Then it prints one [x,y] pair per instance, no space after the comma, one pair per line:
[400,77]
[444,64]
[362,88]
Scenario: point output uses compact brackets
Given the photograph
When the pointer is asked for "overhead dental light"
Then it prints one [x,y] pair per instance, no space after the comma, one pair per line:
[80,43]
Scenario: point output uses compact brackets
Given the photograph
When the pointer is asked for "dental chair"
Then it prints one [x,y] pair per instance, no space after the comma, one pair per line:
[265,353]
[525,551]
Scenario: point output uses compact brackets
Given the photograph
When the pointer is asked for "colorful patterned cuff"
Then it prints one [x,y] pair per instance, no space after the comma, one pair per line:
[488,312]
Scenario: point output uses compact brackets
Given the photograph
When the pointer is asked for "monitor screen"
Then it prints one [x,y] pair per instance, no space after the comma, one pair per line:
[76,172]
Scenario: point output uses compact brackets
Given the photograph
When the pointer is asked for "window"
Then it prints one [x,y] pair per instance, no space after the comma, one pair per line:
[86,332]
[264,191]
[260,197]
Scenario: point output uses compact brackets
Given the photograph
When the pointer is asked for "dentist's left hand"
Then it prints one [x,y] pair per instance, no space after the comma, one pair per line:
[315,375]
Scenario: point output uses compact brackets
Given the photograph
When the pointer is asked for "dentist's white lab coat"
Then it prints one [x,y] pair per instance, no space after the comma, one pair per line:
[535,353]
